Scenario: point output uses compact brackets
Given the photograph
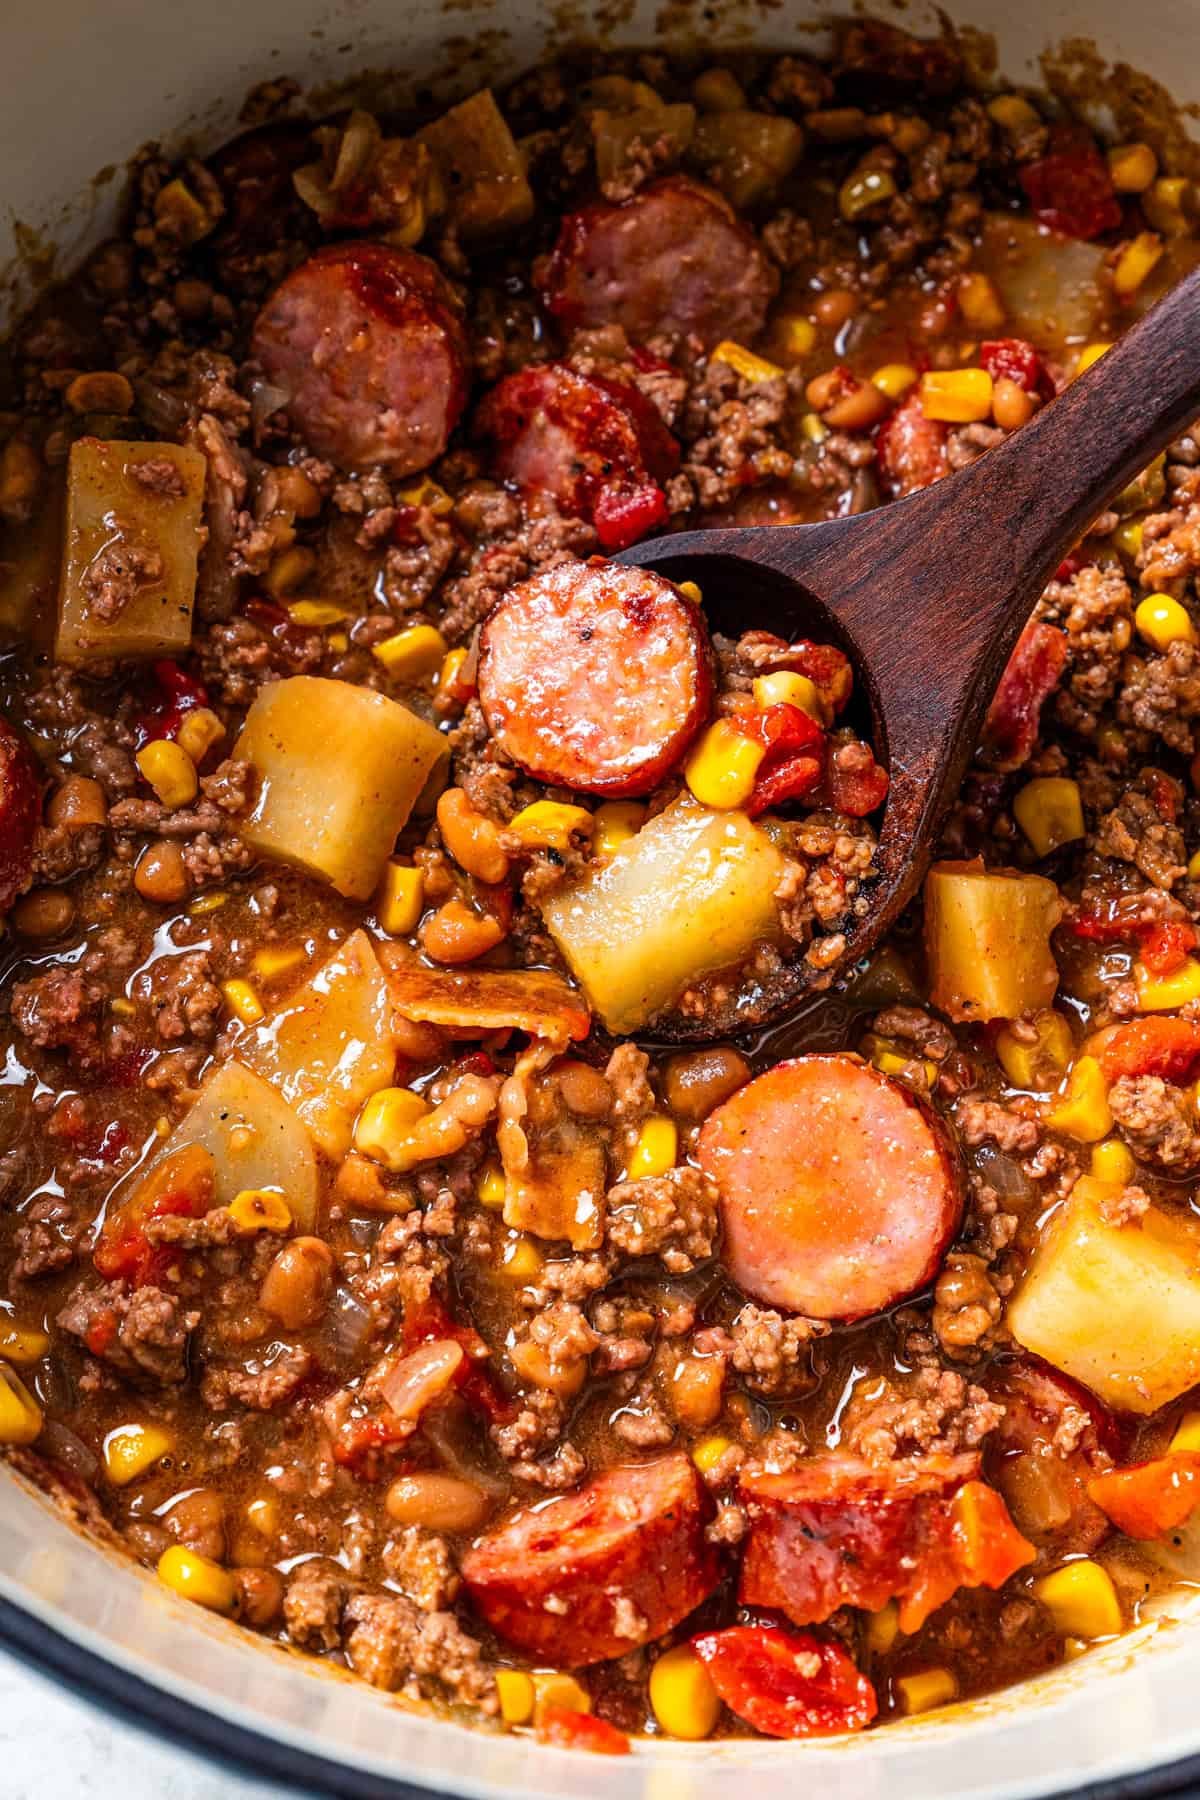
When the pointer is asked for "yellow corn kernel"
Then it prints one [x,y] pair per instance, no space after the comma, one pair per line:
[1012,113]
[413,654]
[557,1690]
[549,824]
[1111,1161]
[317,613]
[1081,1110]
[744,362]
[722,768]
[709,1451]
[1137,260]
[864,189]
[956,396]
[614,824]
[1162,621]
[1132,167]
[685,1702]
[1164,993]
[1187,1432]
[814,428]
[451,679]
[1026,1063]
[123,1008]
[426,493]
[716,90]
[338,641]
[386,1120]
[199,731]
[514,1690]
[1167,203]
[789,689]
[263,1515]
[197,1578]
[1081,1599]
[979,302]
[894,379]
[20,1414]
[491,1188]
[131,1450]
[170,771]
[270,964]
[886,1055]
[288,571]
[1193,867]
[927,1689]
[883,1628]
[1128,538]
[691,591]
[656,1148]
[206,903]
[1050,812]
[242,1001]
[259,1209]
[401,899]
[796,334]
[1091,353]
[521,1260]
[21,1343]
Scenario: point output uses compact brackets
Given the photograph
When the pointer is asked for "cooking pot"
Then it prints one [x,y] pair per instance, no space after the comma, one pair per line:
[80,88]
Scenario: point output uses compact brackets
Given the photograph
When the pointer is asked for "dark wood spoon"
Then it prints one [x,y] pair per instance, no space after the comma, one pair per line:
[928,595]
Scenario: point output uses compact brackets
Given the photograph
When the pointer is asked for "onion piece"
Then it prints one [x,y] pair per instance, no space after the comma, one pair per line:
[418,1380]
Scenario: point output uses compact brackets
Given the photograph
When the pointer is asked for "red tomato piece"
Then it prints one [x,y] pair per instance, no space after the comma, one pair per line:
[910,450]
[856,787]
[20,812]
[1166,1047]
[580,1731]
[177,694]
[1015,359]
[1033,672]
[781,730]
[1070,188]
[1166,946]
[622,518]
[1151,1498]
[474,1378]
[790,779]
[787,1684]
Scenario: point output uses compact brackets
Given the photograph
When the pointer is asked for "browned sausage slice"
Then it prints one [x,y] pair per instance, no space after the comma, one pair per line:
[369,348]
[674,259]
[20,809]
[566,1579]
[840,1190]
[595,677]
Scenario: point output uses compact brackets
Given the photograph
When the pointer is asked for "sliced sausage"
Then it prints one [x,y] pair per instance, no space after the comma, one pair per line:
[840,1190]
[20,810]
[784,1685]
[368,345]
[595,677]
[1053,1439]
[910,450]
[673,260]
[1032,673]
[565,1579]
[596,446]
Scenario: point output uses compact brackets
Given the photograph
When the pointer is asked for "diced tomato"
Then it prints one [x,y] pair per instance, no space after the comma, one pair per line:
[1151,1498]
[1169,1048]
[101,1334]
[1033,672]
[114,1139]
[910,450]
[181,1186]
[781,730]
[1015,359]
[856,788]
[178,694]
[474,1380]
[1070,188]
[568,1730]
[787,1684]
[1164,794]
[1166,946]
[623,515]
[361,1446]
[791,779]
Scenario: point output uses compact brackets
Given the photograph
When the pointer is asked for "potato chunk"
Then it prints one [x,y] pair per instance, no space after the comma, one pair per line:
[482,167]
[1116,1307]
[987,937]
[255,1139]
[693,892]
[747,154]
[132,539]
[339,770]
[329,1046]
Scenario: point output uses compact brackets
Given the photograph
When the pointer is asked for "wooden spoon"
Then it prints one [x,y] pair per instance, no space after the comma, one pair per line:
[928,595]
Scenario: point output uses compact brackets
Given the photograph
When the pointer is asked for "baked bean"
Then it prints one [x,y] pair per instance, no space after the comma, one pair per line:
[586,1092]
[192,299]
[161,873]
[198,1520]
[472,839]
[297,494]
[533,1363]
[455,934]
[259,1596]
[296,1289]
[696,1390]
[437,1502]
[45,913]
[418,1040]
[1012,407]
[834,307]
[100,391]
[77,801]
[845,402]
[698,1080]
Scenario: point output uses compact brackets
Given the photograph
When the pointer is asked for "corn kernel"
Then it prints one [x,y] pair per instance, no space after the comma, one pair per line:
[744,362]
[886,1055]
[814,428]
[864,189]
[1081,1599]
[1012,113]
[1128,538]
[894,379]
[197,1578]
[514,1690]
[721,770]
[270,964]
[123,1008]
[1111,1161]
[263,1514]
[709,1451]
[557,1690]
[956,396]
[259,1209]
[492,1188]
[426,493]
[656,1148]
[1050,812]
[20,1414]
[317,614]
[691,591]
[927,1689]
[1193,867]
[451,679]
[795,334]
[1132,167]
[1137,260]
[401,899]
[1081,1110]
[979,303]
[206,903]
[883,1628]
[684,1700]
[1187,1432]
[1026,1064]
[614,824]
[716,90]
[242,1001]
[170,771]
[549,824]
[1091,353]
[1167,203]
[521,1260]
[1162,621]
[788,689]
[1164,993]
[199,731]
[21,1343]
[288,571]
[413,654]
[337,641]
[386,1121]
[131,1450]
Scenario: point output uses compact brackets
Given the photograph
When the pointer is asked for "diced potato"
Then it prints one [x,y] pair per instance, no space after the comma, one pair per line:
[617,93]
[256,1141]
[114,519]
[339,769]
[560,1191]
[484,174]
[614,133]
[329,1046]
[692,892]
[1052,286]
[30,560]
[746,154]
[1116,1307]
[481,1000]
[987,938]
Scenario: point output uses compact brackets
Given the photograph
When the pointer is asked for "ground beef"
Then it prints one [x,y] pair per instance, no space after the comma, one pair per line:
[63,851]
[259,1386]
[60,1010]
[979,1120]
[422,1567]
[185,1000]
[140,1332]
[392,1644]
[1136,831]
[48,1239]
[1157,1121]
[773,1354]
[312,1605]
[967,1305]
[912,1025]
[936,1412]
[117,575]
[673,1216]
